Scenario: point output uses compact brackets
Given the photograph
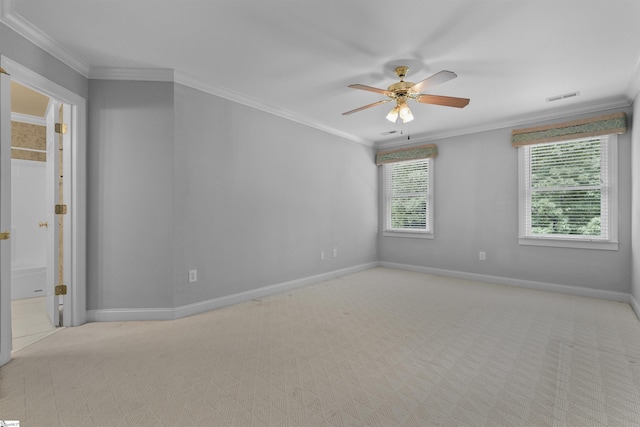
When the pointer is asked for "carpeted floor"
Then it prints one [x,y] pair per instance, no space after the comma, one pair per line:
[378,348]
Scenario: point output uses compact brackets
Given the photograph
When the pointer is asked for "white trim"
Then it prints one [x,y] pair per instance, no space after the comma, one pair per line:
[126,314]
[129,314]
[610,244]
[5,220]
[175,76]
[35,81]
[26,118]
[23,27]
[386,215]
[635,306]
[26,29]
[633,89]
[231,95]
[528,284]
[509,123]
[569,243]
[77,297]
[13,20]
[133,314]
[132,74]
[407,234]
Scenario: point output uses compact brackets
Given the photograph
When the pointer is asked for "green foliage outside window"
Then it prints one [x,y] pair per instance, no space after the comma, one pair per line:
[566,188]
[408,195]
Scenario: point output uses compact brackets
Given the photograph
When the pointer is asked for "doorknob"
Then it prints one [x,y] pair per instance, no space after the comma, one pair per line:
[5,235]
[44,224]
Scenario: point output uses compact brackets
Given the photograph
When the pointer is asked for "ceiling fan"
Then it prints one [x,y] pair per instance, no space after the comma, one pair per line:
[402,91]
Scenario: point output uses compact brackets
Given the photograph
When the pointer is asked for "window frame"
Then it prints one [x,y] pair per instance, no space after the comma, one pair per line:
[578,242]
[387,231]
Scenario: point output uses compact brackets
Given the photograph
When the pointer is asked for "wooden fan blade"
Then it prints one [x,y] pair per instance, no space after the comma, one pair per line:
[435,80]
[447,101]
[372,89]
[366,106]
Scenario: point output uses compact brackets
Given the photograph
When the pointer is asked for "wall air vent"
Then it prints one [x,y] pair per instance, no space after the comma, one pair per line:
[565,96]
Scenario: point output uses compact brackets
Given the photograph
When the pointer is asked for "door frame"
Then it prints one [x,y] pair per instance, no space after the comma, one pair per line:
[75,301]
[5,219]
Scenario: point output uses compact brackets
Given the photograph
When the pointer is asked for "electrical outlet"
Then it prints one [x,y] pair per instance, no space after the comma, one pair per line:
[193,276]
[321,255]
[483,256]
[335,252]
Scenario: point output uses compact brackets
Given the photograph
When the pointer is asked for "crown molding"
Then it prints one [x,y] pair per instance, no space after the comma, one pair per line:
[26,29]
[510,122]
[175,76]
[230,95]
[132,74]
[633,90]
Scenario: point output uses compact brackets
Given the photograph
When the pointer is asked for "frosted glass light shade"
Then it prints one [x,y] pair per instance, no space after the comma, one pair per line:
[393,114]
[405,113]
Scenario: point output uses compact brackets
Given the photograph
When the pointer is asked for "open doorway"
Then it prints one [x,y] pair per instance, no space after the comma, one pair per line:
[69,216]
[36,311]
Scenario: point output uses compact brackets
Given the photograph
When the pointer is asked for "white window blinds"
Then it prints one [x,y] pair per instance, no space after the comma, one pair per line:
[407,197]
[567,189]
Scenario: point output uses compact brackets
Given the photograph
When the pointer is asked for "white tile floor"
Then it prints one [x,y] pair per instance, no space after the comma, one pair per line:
[29,322]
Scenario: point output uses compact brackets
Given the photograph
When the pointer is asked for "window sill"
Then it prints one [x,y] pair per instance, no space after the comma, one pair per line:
[409,234]
[569,243]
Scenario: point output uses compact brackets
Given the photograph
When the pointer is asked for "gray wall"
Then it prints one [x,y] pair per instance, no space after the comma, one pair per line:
[180,180]
[258,197]
[130,195]
[476,209]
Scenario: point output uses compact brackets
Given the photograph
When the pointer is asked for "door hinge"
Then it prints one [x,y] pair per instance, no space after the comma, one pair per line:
[61,289]
[5,235]
[61,128]
[61,209]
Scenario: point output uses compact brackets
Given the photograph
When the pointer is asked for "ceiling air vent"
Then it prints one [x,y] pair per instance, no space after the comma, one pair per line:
[391,132]
[565,96]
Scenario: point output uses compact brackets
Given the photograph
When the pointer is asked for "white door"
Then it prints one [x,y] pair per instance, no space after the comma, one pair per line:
[51,217]
[58,241]
[5,218]
[65,197]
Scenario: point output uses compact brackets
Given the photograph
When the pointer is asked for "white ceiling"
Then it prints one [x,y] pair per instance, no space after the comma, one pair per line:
[296,57]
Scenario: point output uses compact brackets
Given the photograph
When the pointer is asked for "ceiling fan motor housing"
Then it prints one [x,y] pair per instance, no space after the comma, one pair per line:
[400,89]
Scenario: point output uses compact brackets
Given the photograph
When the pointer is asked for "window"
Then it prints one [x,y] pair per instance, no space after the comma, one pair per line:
[408,199]
[568,193]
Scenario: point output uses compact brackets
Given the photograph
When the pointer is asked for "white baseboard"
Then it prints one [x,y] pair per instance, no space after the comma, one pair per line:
[126,314]
[200,307]
[635,306]
[529,284]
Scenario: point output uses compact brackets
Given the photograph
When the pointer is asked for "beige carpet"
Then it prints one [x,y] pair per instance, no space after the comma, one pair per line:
[378,348]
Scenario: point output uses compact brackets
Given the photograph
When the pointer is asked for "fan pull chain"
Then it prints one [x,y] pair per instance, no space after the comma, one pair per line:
[408,133]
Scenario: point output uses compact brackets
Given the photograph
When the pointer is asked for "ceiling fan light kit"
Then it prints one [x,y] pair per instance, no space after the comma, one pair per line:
[393,114]
[402,91]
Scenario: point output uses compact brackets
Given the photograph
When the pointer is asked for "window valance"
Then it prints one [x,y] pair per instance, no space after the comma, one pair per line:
[409,153]
[601,125]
